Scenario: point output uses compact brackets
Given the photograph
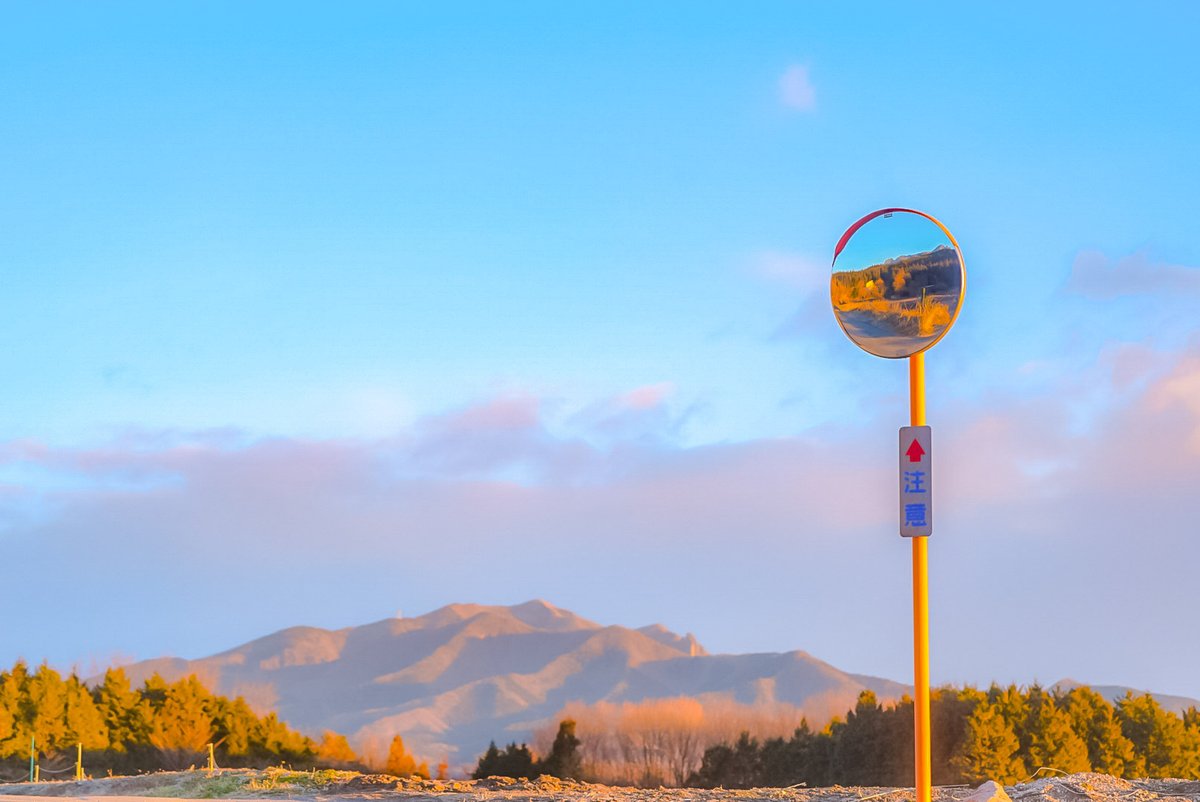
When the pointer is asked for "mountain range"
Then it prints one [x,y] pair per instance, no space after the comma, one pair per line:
[454,679]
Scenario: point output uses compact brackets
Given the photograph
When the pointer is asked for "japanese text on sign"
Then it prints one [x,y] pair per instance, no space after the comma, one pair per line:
[916,482]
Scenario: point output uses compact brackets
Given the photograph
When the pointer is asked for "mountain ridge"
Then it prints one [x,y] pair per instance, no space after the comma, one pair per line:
[455,678]
[1114,693]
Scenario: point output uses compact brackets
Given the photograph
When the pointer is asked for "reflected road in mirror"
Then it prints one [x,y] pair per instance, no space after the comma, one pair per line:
[897,284]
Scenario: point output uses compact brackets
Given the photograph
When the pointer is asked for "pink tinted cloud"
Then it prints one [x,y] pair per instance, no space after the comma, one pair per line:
[498,461]
[807,518]
[504,413]
[630,426]
[1161,430]
[646,397]
[504,437]
[1133,363]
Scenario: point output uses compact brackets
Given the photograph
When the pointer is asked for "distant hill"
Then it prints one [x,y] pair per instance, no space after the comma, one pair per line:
[937,272]
[454,679]
[1114,693]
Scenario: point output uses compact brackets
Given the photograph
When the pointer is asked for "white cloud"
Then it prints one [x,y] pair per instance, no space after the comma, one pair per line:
[433,515]
[803,272]
[796,90]
[807,278]
[1096,276]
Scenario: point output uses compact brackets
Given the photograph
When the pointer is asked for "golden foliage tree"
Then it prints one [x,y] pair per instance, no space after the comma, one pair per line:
[659,741]
[401,764]
[334,750]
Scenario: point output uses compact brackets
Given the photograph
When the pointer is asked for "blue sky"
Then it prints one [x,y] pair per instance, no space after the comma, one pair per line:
[535,297]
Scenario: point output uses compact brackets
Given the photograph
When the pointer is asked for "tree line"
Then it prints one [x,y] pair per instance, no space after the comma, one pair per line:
[661,741]
[519,762]
[1005,734]
[161,725]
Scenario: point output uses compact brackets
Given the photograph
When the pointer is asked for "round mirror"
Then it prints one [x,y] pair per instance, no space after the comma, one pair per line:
[897,283]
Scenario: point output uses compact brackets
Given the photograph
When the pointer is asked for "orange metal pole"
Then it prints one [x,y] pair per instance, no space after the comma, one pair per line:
[920,563]
[916,389]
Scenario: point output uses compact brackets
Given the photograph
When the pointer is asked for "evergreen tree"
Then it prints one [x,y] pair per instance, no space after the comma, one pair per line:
[859,743]
[1159,737]
[518,762]
[897,751]
[1190,763]
[949,710]
[235,730]
[8,722]
[1187,764]
[515,761]
[1052,740]
[181,724]
[820,763]
[14,735]
[270,736]
[737,766]
[564,759]
[989,748]
[126,714]
[82,718]
[1093,718]
[779,762]
[1191,718]
[488,763]
[46,709]
[716,768]
[799,759]
[1012,705]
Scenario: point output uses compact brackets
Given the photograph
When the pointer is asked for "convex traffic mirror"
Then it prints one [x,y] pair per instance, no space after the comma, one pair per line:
[897,283]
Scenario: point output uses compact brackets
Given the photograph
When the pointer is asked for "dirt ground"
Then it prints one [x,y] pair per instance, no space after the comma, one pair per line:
[330,786]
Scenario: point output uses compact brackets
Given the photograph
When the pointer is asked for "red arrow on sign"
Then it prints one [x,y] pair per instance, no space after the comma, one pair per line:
[915,452]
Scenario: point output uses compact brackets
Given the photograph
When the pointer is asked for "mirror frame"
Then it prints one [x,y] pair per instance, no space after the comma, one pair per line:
[962,293]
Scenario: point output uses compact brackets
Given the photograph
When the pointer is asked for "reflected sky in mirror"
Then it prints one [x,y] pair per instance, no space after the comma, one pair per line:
[897,285]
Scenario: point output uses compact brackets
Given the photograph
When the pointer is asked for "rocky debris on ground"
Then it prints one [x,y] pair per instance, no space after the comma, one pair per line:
[990,791]
[279,784]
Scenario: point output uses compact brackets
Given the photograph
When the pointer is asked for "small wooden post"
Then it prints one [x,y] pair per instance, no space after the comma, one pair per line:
[78,761]
[212,761]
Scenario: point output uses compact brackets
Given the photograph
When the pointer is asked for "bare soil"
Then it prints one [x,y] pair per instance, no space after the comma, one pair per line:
[333,786]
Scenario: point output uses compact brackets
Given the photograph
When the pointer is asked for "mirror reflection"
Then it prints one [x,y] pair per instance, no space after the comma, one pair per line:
[897,284]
